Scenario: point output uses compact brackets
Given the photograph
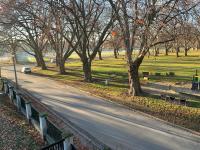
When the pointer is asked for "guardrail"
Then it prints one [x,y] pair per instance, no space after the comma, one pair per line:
[38,114]
[35,114]
[47,129]
[53,131]
[56,146]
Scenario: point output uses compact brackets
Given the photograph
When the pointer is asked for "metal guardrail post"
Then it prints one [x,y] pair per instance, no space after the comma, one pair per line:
[18,97]
[5,87]
[2,86]
[10,92]
[28,111]
[68,141]
[43,125]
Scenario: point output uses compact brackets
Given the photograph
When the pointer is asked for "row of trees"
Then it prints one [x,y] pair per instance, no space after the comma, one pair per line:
[83,26]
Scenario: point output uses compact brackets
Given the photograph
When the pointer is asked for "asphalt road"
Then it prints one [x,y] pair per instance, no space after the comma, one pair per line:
[114,125]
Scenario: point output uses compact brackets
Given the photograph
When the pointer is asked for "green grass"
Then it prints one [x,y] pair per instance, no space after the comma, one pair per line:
[32,59]
[184,68]
[116,71]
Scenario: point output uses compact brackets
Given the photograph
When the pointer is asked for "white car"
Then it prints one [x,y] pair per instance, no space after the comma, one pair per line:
[26,70]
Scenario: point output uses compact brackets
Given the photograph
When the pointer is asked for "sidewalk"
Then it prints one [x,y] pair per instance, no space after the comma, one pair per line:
[162,88]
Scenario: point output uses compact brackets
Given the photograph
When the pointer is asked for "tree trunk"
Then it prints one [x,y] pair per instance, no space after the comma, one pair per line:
[62,66]
[134,79]
[156,51]
[40,60]
[57,60]
[42,63]
[166,51]
[115,53]
[100,56]
[177,51]
[87,70]
[37,61]
[198,46]
[186,51]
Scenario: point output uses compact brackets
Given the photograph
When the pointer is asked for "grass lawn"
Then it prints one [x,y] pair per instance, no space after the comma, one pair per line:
[31,59]
[184,67]
[116,71]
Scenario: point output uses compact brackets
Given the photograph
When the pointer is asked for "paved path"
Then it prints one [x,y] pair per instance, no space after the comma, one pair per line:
[172,89]
[110,123]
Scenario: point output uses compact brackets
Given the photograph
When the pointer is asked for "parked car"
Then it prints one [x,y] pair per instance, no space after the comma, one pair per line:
[26,70]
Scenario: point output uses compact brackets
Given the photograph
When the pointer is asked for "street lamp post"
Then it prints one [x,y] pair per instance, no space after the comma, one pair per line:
[14,46]
[14,65]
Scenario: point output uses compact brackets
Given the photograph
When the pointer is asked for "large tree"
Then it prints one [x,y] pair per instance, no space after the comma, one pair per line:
[144,20]
[116,40]
[188,31]
[91,23]
[21,16]
[57,26]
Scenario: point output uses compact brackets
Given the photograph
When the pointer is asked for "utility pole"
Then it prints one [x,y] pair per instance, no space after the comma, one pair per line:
[14,65]
[14,46]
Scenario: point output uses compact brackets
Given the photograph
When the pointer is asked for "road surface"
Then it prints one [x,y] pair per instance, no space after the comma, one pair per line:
[110,123]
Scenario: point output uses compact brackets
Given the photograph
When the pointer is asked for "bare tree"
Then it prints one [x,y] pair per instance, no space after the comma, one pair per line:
[168,46]
[146,19]
[188,33]
[22,18]
[116,40]
[57,27]
[100,53]
[91,23]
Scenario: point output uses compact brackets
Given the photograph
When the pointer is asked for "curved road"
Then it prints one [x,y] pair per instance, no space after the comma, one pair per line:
[112,124]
